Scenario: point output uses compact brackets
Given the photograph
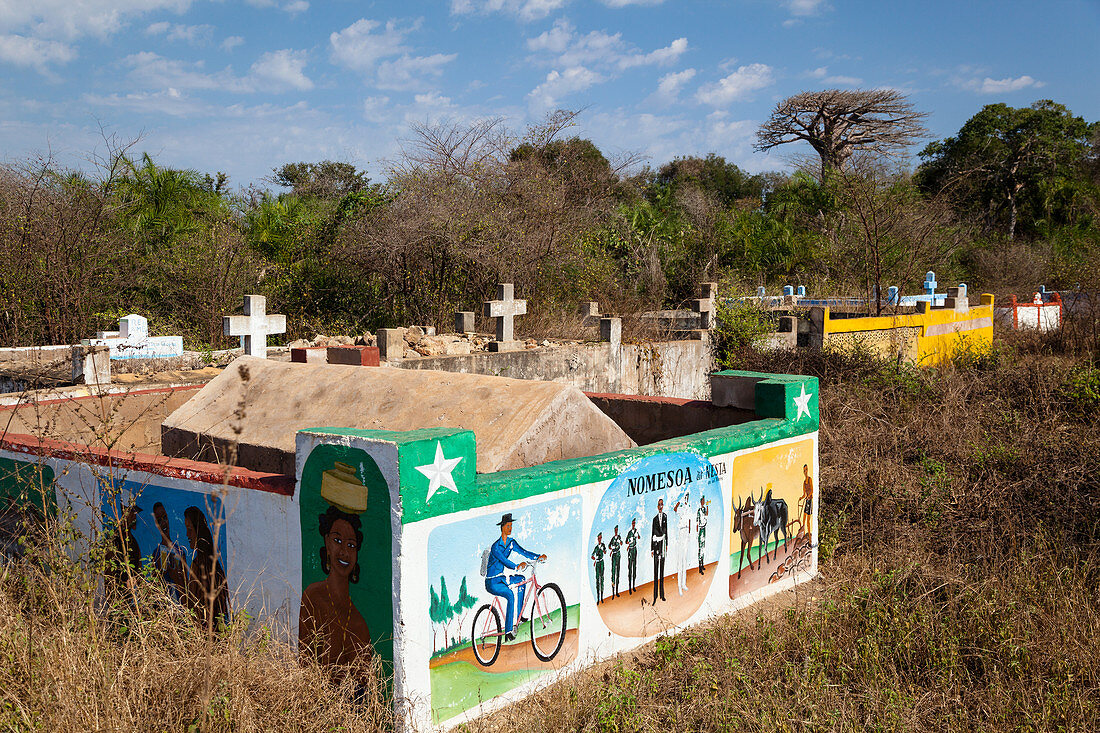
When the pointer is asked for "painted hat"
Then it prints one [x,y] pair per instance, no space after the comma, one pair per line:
[505,519]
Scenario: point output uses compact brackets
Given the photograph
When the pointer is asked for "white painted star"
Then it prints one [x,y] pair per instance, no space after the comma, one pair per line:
[439,472]
[803,402]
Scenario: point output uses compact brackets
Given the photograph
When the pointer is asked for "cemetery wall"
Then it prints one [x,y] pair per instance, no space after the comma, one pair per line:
[250,515]
[926,338]
[455,533]
[400,523]
[658,368]
[128,419]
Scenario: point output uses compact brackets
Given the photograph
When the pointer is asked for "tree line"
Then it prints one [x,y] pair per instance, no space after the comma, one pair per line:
[1010,200]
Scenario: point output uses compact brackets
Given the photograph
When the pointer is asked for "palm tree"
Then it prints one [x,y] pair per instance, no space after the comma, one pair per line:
[162,205]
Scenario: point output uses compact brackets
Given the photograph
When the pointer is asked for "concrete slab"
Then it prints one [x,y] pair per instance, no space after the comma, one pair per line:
[518,423]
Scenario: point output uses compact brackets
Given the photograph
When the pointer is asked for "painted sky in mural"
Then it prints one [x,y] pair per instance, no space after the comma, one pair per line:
[548,528]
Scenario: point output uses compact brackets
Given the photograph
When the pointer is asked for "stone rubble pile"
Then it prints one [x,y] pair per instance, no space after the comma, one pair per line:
[422,341]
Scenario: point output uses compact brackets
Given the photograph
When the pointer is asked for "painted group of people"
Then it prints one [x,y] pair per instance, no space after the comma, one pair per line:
[193,576]
[614,548]
[686,523]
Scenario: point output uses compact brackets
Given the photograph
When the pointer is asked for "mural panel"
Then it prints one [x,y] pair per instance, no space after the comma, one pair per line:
[661,520]
[178,535]
[770,525]
[347,558]
[505,601]
[26,483]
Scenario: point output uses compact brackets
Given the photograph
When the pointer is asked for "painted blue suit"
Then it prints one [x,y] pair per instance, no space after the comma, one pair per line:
[496,579]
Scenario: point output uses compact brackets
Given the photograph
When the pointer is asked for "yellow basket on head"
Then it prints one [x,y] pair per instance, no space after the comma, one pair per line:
[343,489]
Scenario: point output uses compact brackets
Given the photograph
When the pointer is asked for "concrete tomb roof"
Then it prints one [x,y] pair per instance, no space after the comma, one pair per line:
[518,423]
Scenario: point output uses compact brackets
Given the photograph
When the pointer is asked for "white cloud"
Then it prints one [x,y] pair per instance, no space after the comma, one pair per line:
[72,19]
[274,71]
[408,72]
[283,69]
[296,6]
[555,40]
[1000,86]
[804,8]
[362,44]
[822,73]
[561,84]
[669,86]
[376,109]
[378,51]
[35,52]
[231,42]
[598,48]
[193,34]
[738,85]
[157,72]
[523,9]
[169,101]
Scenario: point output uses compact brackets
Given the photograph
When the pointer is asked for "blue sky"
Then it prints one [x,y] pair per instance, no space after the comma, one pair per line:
[244,86]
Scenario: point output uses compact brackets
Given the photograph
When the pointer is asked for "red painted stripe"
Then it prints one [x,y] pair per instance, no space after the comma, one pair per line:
[182,468]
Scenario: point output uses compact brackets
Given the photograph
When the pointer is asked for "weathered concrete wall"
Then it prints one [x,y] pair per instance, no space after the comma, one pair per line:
[127,420]
[518,422]
[650,419]
[661,368]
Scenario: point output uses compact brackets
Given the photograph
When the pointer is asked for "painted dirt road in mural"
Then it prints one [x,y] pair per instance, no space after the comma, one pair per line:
[660,519]
[630,613]
[771,527]
[517,656]
[516,612]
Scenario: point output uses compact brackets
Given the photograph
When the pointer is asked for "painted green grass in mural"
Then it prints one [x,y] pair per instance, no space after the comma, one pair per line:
[523,632]
[459,686]
[753,552]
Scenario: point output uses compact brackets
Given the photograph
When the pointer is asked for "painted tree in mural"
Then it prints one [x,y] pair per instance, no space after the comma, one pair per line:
[462,607]
[446,611]
[433,617]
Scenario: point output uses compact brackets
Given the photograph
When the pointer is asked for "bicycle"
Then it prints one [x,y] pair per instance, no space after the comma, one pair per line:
[487,633]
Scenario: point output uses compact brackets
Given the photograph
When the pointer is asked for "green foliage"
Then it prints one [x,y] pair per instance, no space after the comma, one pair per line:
[738,329]
[724,181]
[1081,389]
[1016,169]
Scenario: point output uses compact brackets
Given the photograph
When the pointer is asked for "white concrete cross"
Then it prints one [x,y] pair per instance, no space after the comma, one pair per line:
[254,326]
[504,309]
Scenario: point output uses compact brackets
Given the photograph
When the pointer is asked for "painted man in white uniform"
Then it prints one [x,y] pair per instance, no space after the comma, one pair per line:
[682,549]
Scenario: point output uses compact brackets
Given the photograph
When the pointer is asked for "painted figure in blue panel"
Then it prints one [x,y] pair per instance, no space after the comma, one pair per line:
[498,581]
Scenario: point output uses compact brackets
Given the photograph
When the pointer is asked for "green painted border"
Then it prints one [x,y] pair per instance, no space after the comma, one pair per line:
[777,419]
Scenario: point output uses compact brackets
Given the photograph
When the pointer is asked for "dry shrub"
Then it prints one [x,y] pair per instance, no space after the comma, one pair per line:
[72,662]
[960,559]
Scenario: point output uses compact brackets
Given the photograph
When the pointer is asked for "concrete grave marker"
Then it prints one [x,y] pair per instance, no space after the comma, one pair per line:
[611,330]
[504,309]
[254,326]
[132,341]
[590,313]
[704,306]
[464,321]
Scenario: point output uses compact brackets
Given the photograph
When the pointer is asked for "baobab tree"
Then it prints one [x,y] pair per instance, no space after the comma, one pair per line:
[837,123]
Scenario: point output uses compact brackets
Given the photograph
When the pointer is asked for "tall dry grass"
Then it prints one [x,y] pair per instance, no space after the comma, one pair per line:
[72,660]
[960,561]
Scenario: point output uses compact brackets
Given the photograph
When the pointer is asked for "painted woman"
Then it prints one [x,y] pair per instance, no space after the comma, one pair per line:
[207,589]
[330,628]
